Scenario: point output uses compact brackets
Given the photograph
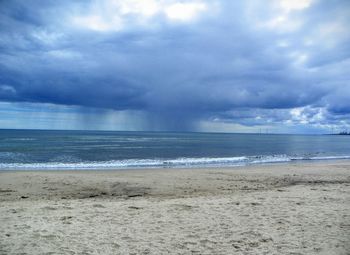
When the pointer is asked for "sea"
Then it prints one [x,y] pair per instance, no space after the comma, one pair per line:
[74,150]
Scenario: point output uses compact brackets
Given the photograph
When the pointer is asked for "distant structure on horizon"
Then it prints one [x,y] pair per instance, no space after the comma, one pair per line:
[344,133]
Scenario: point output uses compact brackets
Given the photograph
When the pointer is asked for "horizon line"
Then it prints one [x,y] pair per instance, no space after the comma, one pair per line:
[166,131]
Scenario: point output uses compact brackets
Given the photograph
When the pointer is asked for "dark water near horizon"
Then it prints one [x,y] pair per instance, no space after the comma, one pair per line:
[37,149]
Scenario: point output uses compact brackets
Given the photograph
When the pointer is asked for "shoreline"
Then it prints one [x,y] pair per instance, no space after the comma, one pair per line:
[266,209]
[142,168]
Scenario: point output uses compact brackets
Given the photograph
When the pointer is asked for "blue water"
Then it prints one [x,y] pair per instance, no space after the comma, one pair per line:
[36,149]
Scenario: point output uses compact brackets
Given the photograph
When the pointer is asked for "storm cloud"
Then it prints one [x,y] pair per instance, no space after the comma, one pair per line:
[182,63]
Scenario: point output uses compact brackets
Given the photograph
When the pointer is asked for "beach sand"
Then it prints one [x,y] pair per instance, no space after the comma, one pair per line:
[271,209]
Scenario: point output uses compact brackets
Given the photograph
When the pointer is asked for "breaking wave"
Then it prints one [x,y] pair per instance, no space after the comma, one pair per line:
[165,163]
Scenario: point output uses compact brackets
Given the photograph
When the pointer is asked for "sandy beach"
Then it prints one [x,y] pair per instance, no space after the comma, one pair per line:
[270,209]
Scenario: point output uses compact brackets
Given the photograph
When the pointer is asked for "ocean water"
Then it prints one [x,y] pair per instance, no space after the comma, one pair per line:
[36,149]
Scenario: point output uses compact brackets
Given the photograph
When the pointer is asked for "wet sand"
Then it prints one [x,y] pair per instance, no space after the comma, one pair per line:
[271,209]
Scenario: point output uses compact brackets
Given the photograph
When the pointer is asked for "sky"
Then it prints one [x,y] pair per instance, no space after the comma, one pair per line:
[167,65]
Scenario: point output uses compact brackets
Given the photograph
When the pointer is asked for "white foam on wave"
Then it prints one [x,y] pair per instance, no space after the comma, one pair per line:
[128,163]
[6,155]
[330,158]
[271,159]
[82,165]
[158,163]
[200,161]
[285,158]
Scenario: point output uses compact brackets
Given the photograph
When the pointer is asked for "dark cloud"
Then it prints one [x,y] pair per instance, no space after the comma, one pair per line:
[235,62]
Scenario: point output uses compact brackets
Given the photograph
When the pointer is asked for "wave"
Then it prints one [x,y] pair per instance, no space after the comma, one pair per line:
[330,158]
[201,161]
[128,163]
[6,156]
[166,163]
[270,159]
[19,139]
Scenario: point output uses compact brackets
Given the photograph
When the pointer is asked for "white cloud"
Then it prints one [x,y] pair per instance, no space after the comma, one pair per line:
[294,5]
[184,11]
[283,44]
[63,54]
[298,115]
[282,23]
[115,15]
[281,18]
[331,33]
[146,8]
[98,23]
[47,37]
[298,58]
